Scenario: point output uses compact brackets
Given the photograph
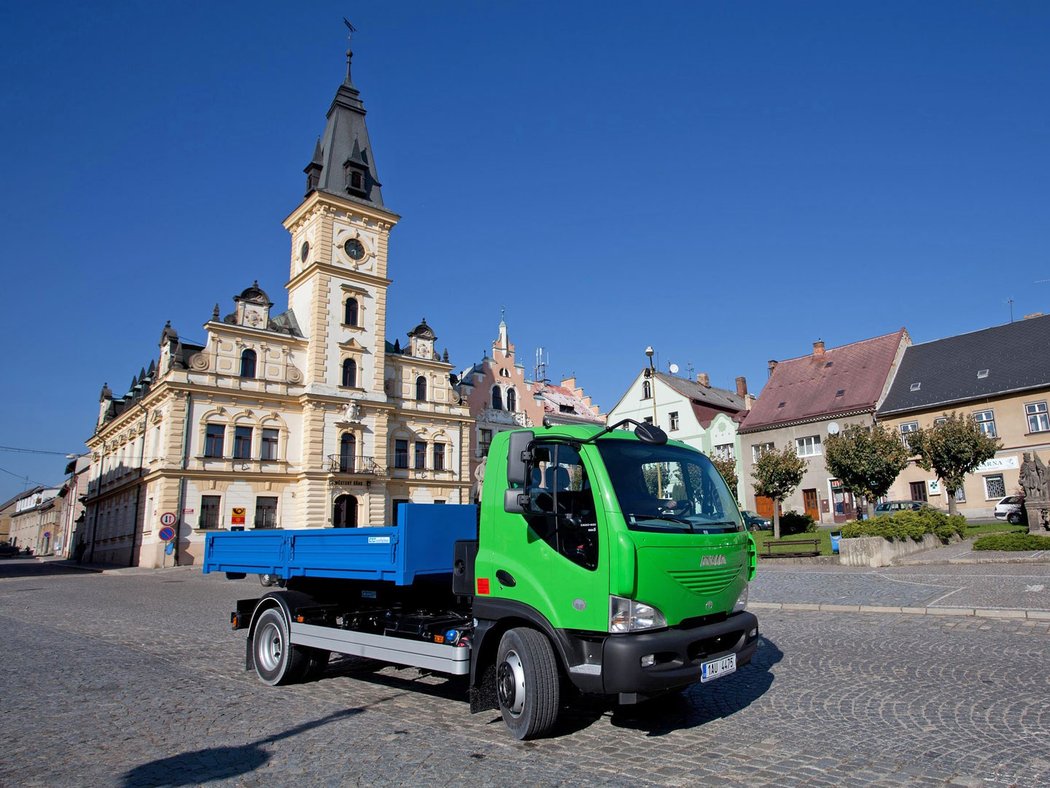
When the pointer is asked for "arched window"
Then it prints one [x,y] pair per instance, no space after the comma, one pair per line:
[647,390]
[349,373]
[421,388]
[344,512]
[350,315]
[248,364]
[497,398]
[512,400]
[347,450]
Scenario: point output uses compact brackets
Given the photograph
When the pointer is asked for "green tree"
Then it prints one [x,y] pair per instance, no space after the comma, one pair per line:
[727,467]
[952,449]
[776,474]
[866,460]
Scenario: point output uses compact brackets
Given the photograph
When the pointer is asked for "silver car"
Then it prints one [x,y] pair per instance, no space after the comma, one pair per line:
[1011,509]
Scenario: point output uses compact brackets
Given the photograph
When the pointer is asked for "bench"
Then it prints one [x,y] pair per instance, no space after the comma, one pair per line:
[792,548]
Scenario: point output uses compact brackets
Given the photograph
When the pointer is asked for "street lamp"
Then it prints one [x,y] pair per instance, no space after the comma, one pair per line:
[652,393]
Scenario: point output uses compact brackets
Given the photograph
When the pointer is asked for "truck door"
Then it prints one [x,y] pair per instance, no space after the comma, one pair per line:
[564,545]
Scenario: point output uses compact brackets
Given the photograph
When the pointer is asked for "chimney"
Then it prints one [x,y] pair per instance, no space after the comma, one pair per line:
[703,379]
[818,348]
[741,387]
[1034,314]
[772,366]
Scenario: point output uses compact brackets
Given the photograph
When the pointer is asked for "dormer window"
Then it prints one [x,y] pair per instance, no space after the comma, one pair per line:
[916,386]
[982,373]
[356,178]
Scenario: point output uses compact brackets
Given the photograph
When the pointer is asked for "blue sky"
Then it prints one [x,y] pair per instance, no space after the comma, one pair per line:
[724,181]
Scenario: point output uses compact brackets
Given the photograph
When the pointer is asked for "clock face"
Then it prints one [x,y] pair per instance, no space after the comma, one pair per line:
[354,249]
[304,251]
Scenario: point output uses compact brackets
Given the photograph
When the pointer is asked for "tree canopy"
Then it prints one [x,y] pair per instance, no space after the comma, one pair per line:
[776,474]
[727,467]
[952,449]
[867,460]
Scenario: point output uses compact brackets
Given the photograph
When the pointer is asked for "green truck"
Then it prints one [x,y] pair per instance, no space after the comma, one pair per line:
[611,562]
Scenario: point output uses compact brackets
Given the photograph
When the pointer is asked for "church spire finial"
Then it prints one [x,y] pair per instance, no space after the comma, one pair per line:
[350,30]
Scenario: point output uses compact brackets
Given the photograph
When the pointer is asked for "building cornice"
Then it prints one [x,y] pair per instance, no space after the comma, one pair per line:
[217,326]
[809,420]
[323,201]
[334,270]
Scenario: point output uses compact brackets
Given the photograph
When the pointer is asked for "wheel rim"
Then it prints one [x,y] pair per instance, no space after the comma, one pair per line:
[269,646]
[510,683]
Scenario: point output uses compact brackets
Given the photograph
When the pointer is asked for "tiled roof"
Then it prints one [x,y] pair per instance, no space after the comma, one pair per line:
[711,396]
[841,380]
[984,363]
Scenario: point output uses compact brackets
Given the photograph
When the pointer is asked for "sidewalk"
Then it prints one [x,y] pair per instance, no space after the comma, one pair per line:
[963,553]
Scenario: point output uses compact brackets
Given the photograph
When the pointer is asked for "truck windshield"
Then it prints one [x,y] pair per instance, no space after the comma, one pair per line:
[669,488]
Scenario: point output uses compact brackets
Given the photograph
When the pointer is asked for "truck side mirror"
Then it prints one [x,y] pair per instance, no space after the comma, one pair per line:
[517,456]
[514,501]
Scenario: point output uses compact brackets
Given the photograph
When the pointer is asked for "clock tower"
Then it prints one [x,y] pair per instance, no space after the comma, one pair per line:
[337,288]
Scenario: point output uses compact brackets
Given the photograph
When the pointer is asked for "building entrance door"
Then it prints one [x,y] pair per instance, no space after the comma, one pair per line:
[344,512]
[918,491]
[809,503]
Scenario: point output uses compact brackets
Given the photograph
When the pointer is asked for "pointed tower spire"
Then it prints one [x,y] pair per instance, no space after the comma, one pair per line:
[343,163]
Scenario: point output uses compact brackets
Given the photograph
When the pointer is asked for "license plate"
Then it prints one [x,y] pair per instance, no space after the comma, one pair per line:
[717,668]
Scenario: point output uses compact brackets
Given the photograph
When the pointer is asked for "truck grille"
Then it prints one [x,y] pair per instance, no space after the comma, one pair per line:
[708,580]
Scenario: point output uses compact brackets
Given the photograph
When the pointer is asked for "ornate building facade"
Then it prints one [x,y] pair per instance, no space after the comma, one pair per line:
[301,419]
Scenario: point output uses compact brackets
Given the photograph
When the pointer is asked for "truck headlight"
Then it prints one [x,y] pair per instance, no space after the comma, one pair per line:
[627,615]
[741,601]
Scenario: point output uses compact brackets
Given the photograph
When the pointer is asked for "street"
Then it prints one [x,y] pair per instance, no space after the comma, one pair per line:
[134,678]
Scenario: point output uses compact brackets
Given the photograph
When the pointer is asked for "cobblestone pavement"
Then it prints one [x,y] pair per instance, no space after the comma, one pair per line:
[133,678]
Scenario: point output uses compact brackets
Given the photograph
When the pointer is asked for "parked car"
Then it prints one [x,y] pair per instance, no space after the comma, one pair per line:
[754,522]
[891,507]
[1011,508]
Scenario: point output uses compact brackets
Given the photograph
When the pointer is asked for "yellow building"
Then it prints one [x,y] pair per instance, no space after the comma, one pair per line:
[303,419]
[1000,377]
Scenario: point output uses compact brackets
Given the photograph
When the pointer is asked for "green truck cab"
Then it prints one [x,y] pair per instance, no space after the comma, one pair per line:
[626,551]
[612,562]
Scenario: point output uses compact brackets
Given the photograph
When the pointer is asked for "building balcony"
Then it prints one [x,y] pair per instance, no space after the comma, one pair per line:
[354,466]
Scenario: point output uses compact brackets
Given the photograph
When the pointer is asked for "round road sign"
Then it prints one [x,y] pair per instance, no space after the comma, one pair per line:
[168,518]
[167,533]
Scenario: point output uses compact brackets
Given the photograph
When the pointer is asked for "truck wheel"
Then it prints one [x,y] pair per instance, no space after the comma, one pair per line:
[277,661]
[527,683]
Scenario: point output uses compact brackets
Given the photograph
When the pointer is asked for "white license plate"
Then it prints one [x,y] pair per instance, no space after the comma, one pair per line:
[717,668]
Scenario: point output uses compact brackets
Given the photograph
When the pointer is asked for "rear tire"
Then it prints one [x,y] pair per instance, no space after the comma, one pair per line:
[276,660]
[1014,518]
[527,683]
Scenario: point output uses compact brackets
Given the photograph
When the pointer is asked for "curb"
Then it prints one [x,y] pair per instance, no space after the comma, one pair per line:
[976,612]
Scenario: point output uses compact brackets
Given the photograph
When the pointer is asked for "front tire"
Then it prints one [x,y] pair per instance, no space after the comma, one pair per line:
[277,661]
[527,683]
[1014,518]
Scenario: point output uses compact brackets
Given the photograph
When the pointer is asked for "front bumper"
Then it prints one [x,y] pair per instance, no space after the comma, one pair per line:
[678,652]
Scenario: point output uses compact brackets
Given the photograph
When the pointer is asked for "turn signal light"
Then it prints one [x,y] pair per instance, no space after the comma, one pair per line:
[235,621]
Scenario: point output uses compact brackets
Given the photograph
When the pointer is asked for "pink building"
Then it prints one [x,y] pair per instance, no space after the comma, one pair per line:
[500,398]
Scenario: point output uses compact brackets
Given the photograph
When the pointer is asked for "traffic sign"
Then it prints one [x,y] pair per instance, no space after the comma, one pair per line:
[168,518]
[167,533]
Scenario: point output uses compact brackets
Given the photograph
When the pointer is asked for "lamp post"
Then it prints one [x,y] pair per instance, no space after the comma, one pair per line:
[652,394]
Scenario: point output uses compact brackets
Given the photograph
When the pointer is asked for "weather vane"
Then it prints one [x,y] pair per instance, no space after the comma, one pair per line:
[350,30]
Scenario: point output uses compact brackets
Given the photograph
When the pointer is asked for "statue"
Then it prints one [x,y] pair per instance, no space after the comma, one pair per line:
[1029,477]
[1035,481]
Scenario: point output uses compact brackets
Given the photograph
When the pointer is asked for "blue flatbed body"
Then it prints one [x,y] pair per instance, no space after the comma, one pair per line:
[422,543]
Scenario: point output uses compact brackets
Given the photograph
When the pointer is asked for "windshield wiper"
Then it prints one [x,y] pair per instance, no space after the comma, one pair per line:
[669,518]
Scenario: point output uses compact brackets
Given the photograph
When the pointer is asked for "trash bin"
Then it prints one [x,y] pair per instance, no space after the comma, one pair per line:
[835,536]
